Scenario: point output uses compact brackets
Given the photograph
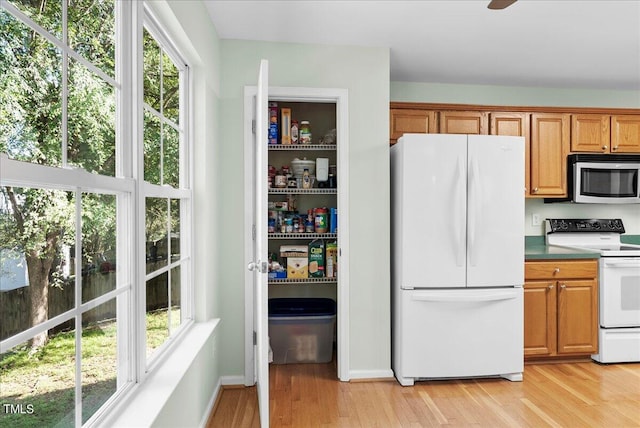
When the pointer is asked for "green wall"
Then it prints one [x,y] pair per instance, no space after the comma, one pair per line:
[511,95]
[364,72]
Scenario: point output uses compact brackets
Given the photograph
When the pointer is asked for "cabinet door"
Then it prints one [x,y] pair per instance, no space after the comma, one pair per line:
[464,122]
[539,318]
[590,133]
[411,121]
[577,317]
[515,124]
[549,148]
[625,134]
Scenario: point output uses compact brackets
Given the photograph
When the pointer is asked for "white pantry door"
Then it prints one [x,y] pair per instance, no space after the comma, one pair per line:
[259,263]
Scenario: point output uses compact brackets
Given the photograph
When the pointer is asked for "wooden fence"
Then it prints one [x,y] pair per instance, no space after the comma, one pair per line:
[14,304]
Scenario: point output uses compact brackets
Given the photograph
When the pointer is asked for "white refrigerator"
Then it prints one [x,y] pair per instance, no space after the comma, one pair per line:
[457,256]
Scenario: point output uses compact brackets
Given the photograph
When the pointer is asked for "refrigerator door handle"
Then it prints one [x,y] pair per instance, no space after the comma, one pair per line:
[464,296]
[474,202]
[458,209]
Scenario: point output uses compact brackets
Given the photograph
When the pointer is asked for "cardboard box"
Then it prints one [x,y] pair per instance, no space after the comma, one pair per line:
[316,259]
[297,267]
[285,126]
[278,274]
[273,123]
[293,251]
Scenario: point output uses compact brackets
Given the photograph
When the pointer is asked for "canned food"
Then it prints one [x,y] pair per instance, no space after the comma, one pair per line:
[280,181]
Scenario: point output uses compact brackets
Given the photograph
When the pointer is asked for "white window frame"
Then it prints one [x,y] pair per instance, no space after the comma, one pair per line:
[149,190]
[131,190]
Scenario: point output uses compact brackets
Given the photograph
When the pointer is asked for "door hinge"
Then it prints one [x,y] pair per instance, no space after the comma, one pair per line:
[253,232]
[253,126]
[255,338]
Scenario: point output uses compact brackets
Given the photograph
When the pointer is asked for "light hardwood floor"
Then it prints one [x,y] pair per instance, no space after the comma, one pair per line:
[584,394]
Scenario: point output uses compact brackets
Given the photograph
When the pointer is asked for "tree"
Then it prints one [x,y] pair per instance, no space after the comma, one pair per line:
[31,105]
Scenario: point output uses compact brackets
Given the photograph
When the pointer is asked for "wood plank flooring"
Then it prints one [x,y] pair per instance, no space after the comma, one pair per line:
[584,394]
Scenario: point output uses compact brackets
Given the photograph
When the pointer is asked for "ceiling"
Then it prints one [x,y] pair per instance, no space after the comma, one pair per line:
[591,44]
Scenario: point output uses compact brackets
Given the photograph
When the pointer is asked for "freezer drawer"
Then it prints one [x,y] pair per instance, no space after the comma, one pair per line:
[458,333]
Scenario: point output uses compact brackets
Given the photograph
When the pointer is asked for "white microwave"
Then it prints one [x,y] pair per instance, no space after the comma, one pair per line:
[604,179]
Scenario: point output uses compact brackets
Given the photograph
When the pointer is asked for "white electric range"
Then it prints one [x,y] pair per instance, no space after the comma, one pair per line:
[619,282]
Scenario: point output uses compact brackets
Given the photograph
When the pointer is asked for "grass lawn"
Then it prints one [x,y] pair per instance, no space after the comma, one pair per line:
[40,388]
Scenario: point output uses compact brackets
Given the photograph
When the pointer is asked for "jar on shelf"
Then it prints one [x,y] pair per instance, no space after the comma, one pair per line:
[294,132]
[321,220]
[305,132]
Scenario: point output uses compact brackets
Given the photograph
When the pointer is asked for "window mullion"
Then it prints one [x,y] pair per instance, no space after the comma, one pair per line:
[78,302]
[169,263]
[65,86]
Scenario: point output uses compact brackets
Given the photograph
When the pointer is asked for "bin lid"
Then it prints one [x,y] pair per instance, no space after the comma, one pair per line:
[299,306]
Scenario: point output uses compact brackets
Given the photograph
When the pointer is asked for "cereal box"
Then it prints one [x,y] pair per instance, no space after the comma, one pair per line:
[273,123]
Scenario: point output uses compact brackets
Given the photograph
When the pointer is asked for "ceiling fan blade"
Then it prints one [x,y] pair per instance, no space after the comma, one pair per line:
[500,4]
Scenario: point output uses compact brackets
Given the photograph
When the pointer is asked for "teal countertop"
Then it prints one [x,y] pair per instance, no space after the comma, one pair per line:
[536,249]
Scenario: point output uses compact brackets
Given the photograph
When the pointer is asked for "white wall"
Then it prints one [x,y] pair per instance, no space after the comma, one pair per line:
[365,73]
[521,96]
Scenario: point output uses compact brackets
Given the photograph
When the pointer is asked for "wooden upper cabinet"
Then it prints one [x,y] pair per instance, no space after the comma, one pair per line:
[514,124]
[507,123]
[404,121]
[464,122]
[625,134]
[590,133]
[549,149]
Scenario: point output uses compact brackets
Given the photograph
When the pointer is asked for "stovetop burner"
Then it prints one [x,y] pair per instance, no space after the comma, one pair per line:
[601,235]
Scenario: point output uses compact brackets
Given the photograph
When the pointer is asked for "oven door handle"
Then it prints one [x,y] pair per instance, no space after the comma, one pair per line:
[623,264]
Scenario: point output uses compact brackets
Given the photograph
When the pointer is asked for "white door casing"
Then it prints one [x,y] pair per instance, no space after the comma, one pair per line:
[294,94]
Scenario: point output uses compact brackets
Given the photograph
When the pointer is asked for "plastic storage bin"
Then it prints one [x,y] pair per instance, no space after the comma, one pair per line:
[301,329]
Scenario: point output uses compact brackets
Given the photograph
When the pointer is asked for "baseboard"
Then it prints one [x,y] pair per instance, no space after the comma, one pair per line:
[232,380]
[212,405]
[371,374]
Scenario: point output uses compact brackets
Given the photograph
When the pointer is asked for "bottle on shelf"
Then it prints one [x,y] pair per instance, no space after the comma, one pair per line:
[306,179]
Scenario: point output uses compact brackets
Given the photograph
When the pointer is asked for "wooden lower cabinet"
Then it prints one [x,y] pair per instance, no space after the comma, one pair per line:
[560,309]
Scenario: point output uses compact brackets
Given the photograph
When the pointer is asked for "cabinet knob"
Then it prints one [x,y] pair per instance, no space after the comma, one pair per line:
[604,147]
[563,286]
[614,148]
[550,286]
[535,190]
[556,270]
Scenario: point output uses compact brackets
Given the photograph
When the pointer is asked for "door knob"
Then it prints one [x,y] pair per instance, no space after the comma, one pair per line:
[259,266]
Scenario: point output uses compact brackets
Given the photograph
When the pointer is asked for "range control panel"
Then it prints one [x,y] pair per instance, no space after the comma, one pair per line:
[584,225]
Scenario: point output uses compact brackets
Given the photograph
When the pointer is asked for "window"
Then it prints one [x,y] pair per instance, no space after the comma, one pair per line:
[82,315]
[166,195]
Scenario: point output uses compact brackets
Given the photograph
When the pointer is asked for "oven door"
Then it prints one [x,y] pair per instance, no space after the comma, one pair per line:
[619,292]
[604,182]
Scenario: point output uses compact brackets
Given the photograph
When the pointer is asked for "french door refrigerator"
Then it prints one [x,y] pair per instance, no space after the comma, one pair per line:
[457,256]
